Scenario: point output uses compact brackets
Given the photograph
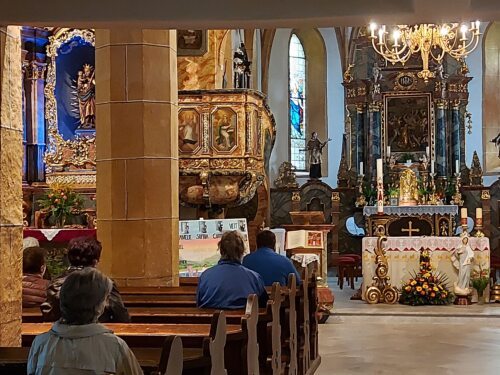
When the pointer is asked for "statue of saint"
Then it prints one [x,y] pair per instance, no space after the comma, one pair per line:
[85,86]
[408,188]
[315,148]
[462,260]
[496,141]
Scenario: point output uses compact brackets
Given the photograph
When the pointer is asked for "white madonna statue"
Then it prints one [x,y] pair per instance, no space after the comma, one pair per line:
[462,259]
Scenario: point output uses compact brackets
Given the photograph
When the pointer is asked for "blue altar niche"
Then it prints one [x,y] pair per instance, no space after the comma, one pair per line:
[71,57]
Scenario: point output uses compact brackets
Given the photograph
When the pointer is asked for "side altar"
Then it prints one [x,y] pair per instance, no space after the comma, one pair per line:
[403,253]
[423,220]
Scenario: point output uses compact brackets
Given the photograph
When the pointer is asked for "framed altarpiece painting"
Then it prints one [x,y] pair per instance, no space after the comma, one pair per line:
[407,125]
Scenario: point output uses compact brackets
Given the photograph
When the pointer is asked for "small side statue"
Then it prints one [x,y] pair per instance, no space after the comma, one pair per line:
[496,141]
[241,68]
[462,260]
[86,97]
[315,148]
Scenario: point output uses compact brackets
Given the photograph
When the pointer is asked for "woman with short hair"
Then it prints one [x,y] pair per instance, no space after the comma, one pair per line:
[34,285]
[77,344]
[84,252]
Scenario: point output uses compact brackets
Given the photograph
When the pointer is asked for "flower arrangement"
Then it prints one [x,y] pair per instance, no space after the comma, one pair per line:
[480,280]
[426,288]
[60,202]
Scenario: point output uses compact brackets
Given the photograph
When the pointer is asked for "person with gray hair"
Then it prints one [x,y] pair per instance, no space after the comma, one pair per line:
[228,284]
[77,344]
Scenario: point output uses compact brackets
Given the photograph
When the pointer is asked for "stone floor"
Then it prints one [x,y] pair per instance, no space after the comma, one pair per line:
[364,339]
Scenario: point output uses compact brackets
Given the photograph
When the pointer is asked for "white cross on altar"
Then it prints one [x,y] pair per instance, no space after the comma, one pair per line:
[410,229]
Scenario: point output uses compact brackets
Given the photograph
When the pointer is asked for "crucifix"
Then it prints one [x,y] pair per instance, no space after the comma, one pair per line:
[410,229]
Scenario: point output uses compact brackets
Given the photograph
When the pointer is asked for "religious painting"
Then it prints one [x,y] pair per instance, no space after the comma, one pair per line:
[224,129]
[191,42]
[406,121]
[189,130]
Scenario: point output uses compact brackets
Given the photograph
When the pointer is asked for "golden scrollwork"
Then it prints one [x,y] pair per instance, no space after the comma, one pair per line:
[381,290]
[405,81]
[348,76]
[295,196]
[64,154]
[80,179]
[335,196]
[485,195]
[193,163]
[228,163]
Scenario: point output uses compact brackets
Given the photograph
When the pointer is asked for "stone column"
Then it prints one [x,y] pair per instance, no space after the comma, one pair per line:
[137,155]
[455,135]
[441,148]
[376,141]
[11,162]
[360,137]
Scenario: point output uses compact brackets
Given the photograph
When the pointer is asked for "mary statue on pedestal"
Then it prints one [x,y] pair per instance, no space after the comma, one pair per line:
[462,260]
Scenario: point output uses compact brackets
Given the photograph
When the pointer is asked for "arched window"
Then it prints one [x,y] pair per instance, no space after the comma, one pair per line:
[297,95]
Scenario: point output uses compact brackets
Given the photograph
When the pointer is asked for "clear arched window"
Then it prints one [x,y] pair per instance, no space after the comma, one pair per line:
[297,94]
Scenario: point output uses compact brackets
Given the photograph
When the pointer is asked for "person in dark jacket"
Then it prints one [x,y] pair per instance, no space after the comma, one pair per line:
[228,284]
[84,252]
[34,285]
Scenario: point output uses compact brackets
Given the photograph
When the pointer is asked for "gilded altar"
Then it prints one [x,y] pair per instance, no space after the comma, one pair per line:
[225,141]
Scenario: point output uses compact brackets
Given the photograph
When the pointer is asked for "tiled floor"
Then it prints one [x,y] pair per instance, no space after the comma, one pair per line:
[364,339]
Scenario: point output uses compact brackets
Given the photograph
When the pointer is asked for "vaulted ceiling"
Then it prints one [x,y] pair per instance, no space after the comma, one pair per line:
[240,14]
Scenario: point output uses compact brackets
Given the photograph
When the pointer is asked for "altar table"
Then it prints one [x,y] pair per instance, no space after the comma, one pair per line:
[60,236]
[403,254]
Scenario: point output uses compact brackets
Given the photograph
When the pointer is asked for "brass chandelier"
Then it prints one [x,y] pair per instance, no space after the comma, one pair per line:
[431,40]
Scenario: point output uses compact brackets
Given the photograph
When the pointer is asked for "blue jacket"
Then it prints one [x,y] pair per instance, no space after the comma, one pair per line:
[271,266]
[227,286]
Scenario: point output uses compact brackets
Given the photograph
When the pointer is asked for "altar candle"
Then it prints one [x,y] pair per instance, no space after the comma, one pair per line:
[427,151]
[361,168]
[479,213]
[457,167]
[388,151]
[380,170]
[463,213]
[432,166]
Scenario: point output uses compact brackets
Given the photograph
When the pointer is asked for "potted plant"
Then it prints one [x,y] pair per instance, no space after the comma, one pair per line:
[393,193]
[480,280]
[59,203]
[370,194]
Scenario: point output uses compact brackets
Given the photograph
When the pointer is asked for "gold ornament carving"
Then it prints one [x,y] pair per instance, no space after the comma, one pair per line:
[79,179]
[485,195]
[335,196]
[295,196]
[381,290]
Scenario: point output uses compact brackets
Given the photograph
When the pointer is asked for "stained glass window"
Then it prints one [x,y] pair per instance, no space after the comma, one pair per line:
[297,95]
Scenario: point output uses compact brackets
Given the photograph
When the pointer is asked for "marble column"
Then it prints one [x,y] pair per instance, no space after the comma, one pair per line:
[11,162]
[137,155]
[35,120]
[360,136]
[455,134]
[375,127]
[441,149]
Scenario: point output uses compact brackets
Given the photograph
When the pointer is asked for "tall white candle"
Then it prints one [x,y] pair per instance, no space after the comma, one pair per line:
[463,213]
[380,170]
[388,151]
[457,167]
[479,213]
[427,151]
[361,168]
[432,166]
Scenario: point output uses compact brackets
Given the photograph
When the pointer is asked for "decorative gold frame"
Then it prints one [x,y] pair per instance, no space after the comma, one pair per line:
[78,152]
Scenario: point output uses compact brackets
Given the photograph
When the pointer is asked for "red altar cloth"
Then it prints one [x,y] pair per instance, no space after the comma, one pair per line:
[57,235]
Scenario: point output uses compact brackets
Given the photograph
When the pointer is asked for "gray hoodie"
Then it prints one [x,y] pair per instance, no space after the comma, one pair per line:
[81,350]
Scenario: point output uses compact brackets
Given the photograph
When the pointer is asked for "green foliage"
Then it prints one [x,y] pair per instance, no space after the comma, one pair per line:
[480,279]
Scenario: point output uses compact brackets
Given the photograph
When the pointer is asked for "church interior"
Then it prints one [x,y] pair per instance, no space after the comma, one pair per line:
[364,135]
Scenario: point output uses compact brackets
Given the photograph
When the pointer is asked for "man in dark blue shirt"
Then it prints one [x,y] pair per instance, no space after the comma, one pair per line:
[228,284]
[271,266]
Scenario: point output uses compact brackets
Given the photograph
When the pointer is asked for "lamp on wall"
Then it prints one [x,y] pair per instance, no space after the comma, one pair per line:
[432,41]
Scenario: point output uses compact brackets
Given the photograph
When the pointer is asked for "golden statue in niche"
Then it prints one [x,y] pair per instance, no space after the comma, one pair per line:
[408,188]
[85,85]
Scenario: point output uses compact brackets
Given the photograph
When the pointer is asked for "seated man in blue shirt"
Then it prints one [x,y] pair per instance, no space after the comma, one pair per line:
[228,284]
[271,266]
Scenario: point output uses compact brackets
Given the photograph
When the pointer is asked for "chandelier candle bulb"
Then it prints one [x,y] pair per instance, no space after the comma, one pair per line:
[479,213]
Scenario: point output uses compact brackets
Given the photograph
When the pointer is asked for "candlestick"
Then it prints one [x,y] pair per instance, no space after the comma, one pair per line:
[479,213]
[457,166]
[388,151]
[380,187]
[432,166]
[463,213]
[479,223]
[361,168]
[427,151]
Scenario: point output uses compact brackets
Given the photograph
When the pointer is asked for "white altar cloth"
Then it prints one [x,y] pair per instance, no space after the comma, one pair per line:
[403,255]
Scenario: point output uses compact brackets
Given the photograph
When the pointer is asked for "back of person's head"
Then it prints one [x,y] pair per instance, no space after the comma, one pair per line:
[231,246]
[33,260]
[266,238]
[83,296]
[30,242]
[84,252]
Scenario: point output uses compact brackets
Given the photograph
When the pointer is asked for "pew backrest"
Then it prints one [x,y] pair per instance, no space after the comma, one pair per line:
[275,301]
[292,324]
[217,343]
[249,321]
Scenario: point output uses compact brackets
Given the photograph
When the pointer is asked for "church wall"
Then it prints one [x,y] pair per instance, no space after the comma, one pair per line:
[278,101]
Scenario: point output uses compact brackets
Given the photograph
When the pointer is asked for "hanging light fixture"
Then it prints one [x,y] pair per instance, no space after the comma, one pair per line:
[431,40]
